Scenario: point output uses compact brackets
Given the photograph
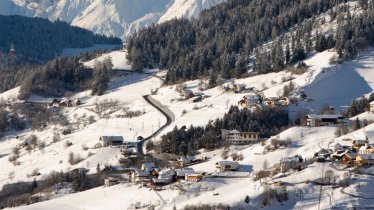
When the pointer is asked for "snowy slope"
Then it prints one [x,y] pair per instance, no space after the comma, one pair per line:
[111,17]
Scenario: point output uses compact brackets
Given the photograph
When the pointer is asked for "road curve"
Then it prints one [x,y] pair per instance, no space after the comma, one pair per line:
[165,111]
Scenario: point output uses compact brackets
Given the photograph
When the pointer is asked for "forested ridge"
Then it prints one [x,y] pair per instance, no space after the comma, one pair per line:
[221,40]
[39,39]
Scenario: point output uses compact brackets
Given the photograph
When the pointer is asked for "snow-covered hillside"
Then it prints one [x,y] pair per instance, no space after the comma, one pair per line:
[112,17]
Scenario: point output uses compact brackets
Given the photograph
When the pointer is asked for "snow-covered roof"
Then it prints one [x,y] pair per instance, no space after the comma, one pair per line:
[111,138]
[227,162]
[365,147]
[366,156]
[234,131]
[141,172]
[148,166]
[372,103]
[360,141]
[324,116]
[335,144]
[289,159]
[185,171]
[350,154]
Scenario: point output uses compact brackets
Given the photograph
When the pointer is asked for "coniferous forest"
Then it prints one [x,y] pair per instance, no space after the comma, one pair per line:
[181,141]
[38,39]
[222,39]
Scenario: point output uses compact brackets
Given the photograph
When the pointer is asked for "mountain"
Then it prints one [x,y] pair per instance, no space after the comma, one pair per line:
[112,17]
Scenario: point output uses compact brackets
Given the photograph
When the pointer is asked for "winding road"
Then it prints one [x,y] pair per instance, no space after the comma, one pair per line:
[165,111]
[156,104]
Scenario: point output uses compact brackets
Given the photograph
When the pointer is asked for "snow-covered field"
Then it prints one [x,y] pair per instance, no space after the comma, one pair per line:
[322,82]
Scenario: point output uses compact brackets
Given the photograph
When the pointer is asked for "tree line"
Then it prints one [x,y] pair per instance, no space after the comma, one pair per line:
[181,141]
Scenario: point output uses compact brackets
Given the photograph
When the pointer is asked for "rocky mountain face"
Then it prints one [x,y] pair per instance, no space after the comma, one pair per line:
[110,17]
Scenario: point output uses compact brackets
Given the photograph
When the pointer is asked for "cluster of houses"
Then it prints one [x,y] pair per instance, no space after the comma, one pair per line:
[150,173]
[255,100]
[359,153]
[65,103]
[128,148]
[187,94]
[236,137]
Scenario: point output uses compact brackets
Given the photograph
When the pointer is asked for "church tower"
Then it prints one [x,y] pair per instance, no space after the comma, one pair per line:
[12,51]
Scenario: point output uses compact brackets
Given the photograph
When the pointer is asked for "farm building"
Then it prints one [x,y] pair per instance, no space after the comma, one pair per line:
[225,165]
[111,140]
[314,120]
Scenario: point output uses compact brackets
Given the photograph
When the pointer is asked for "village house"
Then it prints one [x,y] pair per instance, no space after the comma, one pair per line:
[225,165]
[240,138]
[287,163]
[66,103]
[273,101]
[186,94]
[365,159]
[110,181]
[183,161]
[372,106]
[140,176]
[314,120]
[248,101]
[322,153]
[77,102]
[161,181]
[366,149]
[335,147]
[348,157]
[164,177]
[194,177]
[359,143]
[111,140]
[181,174]
[55,103]
[148,167]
